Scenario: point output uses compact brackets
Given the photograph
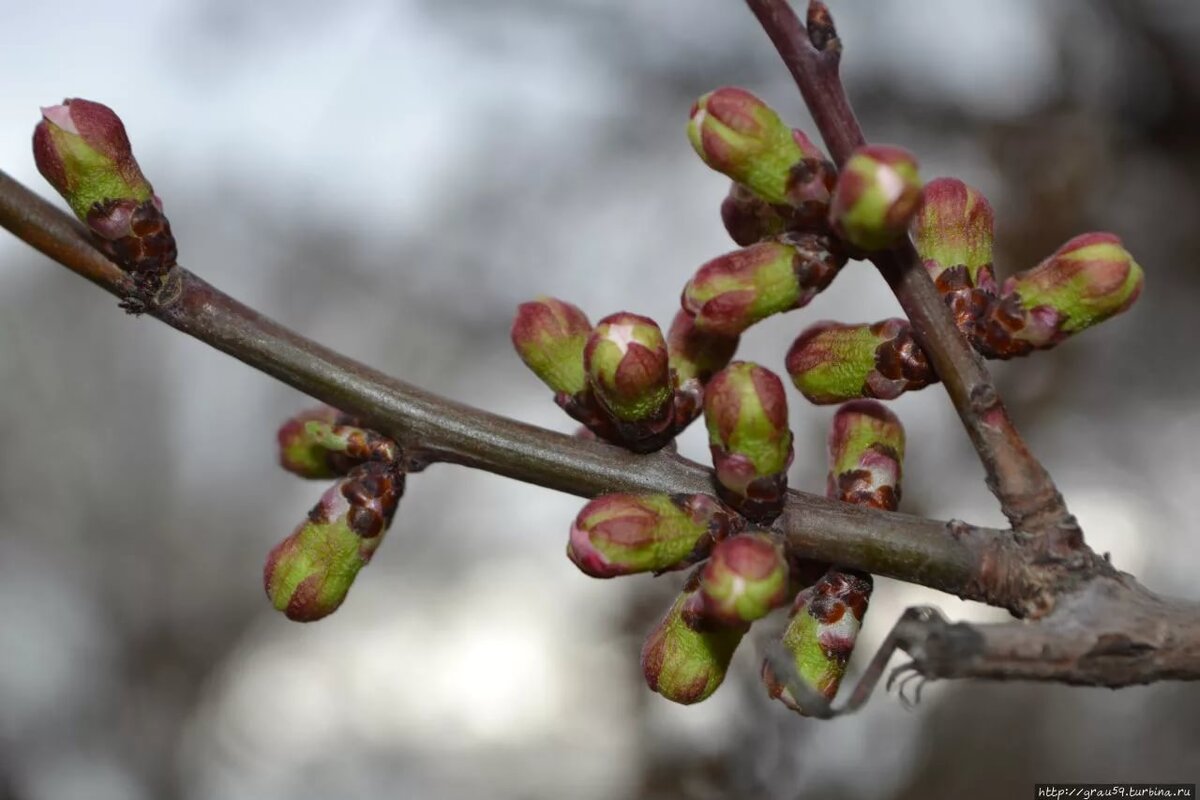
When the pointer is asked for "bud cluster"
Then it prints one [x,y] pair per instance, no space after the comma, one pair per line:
[308,574]
[866,450]
[625,381]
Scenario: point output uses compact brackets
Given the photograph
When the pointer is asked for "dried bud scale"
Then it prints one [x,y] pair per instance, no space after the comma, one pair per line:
[745,410]
[623,534]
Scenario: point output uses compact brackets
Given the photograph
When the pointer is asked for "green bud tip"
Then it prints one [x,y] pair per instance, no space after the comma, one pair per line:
[734,291]
[866,453]
[623,534]
[628,367]
[741,136]
[953,233]
[745,409]
[878,191]
[1087,280]
[832,362]
[744,579]
[308,574]
[683,664]
[549,336]
[821,634]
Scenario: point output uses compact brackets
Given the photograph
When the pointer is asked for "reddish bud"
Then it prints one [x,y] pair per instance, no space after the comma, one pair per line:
[743,580]
[623,534]
[549,336]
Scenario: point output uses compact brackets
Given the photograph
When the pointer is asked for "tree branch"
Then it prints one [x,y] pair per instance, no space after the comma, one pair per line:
[977,563]
[1026,492]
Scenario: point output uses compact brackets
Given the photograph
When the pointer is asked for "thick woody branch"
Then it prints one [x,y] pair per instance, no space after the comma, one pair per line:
[971,562]
[1025,490]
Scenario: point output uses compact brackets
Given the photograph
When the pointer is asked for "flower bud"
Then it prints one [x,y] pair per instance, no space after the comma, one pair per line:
[743,580]
[694,357]
[1087,280]
[624,534]
[549,336]
[308,574]
[748,218]
[878,191]
[831,362]
[683,664]
[732,292]
[741,136]
[953,233]
[821,633]
[82,150]
[629,371]
[315,444]
[866,451]
[745,409]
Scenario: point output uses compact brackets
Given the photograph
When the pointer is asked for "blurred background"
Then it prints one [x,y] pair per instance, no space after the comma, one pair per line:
[393,178]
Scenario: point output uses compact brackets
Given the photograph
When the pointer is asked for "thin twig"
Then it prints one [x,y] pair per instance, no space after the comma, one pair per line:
[1025,490]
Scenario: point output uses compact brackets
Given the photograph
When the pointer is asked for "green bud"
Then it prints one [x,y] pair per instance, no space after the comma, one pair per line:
[745,409]
[866,451]
[820,636]
[953,233]
[878,191]
[732,292]
[1087,280]
[831,362]
[308,574]
[695,356]
[683,664]
[741,136]
[549,336]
